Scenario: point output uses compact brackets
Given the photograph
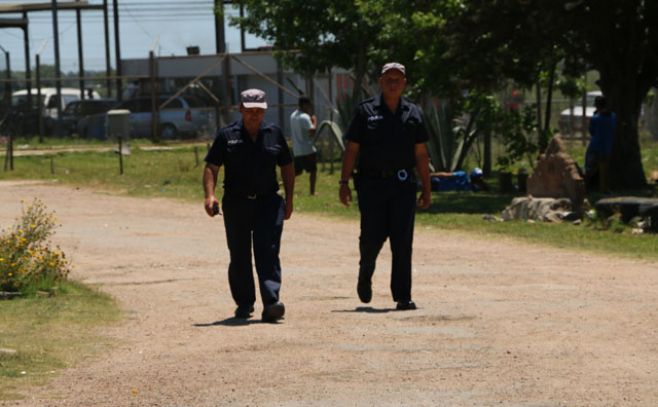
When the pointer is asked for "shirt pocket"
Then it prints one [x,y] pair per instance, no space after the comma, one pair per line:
[412,127]
[412,123]
[236,153]
[271,154]
[374,131]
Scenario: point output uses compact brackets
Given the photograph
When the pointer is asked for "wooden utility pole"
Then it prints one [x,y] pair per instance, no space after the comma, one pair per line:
[220,35]
[117,49]
[155,105]
[81,63]
[58,79]
[28,70]
[40,104]
[108,66]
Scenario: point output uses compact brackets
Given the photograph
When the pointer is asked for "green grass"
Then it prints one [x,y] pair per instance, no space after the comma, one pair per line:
[175,174]
[33,142]
[50,333]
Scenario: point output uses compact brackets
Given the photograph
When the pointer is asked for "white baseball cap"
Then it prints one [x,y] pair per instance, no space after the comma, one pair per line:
[394,65]
[251,98]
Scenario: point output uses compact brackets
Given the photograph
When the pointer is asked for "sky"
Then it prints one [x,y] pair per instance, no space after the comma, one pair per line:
[166,26]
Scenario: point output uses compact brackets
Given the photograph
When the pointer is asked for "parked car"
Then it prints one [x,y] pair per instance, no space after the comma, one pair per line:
[48,101]
[76,116]
[183,116]
[569,123]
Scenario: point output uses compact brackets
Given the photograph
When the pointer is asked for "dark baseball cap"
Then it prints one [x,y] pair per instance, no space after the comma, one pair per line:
[253,98]
[394,65]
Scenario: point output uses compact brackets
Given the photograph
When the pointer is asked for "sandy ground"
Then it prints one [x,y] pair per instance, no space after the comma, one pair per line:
[500,322]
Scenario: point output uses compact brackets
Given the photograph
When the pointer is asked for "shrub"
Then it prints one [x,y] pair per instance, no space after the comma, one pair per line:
[28,262]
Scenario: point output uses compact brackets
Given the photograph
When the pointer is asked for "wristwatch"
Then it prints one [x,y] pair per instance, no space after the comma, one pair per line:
[343,182]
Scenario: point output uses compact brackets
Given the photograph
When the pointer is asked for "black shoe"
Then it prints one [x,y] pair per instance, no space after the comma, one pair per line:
[364,289]
[405,306]
[273,312]
[244,311]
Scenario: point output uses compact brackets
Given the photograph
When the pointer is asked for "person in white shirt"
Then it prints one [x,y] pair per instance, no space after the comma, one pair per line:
[302,126]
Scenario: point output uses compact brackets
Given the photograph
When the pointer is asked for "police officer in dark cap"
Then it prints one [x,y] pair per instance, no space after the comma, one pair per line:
[253,211]
[387,137]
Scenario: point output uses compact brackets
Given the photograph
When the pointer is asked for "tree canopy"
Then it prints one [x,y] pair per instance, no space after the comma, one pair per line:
[314,36]
[455,45]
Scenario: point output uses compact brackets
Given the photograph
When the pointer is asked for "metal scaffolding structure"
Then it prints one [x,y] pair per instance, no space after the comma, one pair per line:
[55,7]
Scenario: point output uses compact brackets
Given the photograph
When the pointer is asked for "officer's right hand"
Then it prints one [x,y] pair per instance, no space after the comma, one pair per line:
[211,204]
[345,194]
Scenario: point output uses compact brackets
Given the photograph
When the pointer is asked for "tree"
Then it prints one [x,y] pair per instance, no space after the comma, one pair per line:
[314,36]
[455,45]
[619,39]
[490,40]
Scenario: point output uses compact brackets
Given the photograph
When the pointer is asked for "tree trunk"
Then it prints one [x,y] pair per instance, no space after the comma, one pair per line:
[538,107]
[546,131]
[359,74]
[626,170]
[623,51]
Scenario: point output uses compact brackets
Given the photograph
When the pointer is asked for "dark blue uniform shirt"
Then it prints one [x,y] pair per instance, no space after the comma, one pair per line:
[249,167]
[387,141]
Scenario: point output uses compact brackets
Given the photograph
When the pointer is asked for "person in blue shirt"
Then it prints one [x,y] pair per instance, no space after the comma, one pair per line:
[597,158]
[250,150]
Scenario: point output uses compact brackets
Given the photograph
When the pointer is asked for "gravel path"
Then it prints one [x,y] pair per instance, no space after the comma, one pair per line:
[500,322]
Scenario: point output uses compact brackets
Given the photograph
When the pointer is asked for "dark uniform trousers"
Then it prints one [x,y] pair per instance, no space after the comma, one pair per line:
[388,208]
[259,220]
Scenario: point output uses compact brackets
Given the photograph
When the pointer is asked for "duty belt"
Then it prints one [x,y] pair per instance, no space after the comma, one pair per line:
[249,196]
[401,174]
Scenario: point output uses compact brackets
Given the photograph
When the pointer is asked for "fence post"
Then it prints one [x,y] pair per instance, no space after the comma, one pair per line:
[120,155]
[40,123]
[9,154]
[8,89]
[331,155]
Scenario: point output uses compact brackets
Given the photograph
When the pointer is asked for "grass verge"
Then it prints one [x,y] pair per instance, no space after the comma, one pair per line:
[176,174]
[50,333]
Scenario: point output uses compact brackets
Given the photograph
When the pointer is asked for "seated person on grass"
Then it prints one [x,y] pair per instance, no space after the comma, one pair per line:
[458,181]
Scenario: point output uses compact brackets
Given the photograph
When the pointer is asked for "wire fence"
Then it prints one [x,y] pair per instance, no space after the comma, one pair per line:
[160,105]
[178,98]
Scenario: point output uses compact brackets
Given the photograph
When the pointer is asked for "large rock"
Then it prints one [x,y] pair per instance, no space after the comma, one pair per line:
[556,176]
[540,209]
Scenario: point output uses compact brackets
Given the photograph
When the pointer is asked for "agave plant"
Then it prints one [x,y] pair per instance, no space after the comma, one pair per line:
[445,139]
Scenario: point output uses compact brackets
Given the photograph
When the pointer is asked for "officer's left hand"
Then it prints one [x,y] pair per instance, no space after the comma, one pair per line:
[425,200]
[288,209]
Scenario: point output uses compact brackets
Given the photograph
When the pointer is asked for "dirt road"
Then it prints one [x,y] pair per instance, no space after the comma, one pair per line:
[500,322]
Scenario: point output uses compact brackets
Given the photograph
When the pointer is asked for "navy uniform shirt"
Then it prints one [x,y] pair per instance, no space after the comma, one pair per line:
[387,141]
[249,167]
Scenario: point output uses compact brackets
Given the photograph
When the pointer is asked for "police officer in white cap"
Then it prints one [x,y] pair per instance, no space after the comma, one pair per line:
[388,137]
[250,150]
